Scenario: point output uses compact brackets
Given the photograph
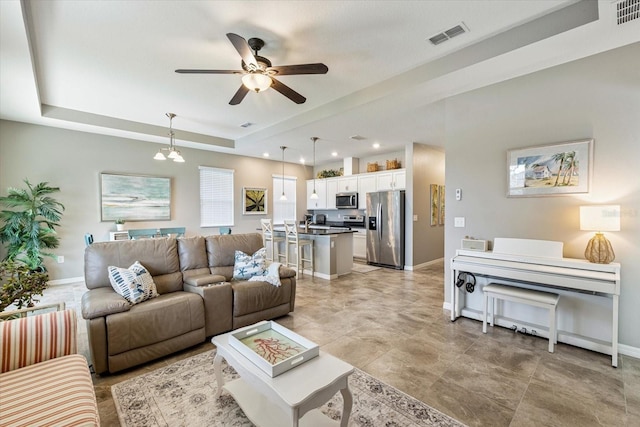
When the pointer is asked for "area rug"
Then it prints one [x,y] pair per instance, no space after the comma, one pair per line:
[363,268]
[182,394]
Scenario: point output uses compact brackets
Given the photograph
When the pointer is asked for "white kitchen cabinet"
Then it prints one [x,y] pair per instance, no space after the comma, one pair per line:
[360,244]
[366,184]
[332,190]
[391,180]
[348,184]
[321,191]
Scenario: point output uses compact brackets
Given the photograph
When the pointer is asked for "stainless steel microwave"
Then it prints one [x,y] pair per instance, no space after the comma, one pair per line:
[347,200]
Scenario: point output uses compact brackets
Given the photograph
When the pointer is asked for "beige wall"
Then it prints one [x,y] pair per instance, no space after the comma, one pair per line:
[427,167]
[597,97]
[74,160]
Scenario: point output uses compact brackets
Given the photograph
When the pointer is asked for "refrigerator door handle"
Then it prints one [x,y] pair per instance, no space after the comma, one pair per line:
[379,213]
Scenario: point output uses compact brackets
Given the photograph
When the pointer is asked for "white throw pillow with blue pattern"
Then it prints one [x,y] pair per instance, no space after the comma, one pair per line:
[134,284]
[271,275]
[246,266]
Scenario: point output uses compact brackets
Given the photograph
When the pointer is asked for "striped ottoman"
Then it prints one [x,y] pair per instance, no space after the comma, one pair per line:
[58,392]
[43,382]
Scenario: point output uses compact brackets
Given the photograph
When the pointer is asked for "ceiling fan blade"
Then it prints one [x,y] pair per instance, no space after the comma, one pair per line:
[183,71]
[288,92]
[243,49]
[239,96]
[283,70]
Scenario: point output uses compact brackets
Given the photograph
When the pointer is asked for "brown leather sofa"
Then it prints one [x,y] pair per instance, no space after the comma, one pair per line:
[192,305]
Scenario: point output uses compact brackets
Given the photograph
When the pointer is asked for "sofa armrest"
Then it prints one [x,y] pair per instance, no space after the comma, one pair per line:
[218,306]
[30,340]
[101,302]
[286,272]
[204,279]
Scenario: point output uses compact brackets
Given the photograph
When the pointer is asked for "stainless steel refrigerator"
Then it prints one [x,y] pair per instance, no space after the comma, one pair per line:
[385,229]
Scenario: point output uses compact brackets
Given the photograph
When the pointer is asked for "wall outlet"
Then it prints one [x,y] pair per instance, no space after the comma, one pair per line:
[415,217]
[458,221]
[458,193]
[60,259]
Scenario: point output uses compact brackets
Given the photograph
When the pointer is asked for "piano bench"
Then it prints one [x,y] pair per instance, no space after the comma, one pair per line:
[526,296]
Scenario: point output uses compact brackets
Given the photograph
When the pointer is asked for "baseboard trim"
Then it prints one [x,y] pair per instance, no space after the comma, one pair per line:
[424,264]
[627,350]
[65,281]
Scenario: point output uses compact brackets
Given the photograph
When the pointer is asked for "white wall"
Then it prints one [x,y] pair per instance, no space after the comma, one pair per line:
[74,160]
[597,97]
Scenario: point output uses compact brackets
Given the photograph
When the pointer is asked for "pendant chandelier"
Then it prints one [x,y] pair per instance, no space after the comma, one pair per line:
[314,195]
[174,153]
[283,196]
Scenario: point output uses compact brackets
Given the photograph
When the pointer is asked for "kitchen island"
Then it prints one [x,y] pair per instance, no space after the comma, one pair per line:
[332,250]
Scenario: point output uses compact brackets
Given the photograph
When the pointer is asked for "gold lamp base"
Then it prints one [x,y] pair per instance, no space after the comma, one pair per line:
[599,250]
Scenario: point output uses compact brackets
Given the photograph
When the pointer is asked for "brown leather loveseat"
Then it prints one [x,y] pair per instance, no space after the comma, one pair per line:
[192,304]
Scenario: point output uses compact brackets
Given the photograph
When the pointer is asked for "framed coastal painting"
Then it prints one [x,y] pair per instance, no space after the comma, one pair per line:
[435,203]
[254,201]
[550,170]
[134,197]
[441,209]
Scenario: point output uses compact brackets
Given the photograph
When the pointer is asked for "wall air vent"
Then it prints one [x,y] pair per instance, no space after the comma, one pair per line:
[452,32]
[627,10]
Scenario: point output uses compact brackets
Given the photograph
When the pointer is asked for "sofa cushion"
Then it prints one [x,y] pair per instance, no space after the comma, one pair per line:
[251,297]
[221,249]
[159,256]
[135,284]
[192,253]
[156,320]
[246,266]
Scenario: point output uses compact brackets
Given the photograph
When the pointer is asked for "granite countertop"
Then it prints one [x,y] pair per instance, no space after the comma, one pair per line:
[319,231]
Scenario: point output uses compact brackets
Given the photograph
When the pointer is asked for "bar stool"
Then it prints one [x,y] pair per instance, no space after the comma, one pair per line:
[271,239]
[294,241]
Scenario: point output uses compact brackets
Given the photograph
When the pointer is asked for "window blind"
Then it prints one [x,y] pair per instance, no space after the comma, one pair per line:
[284,209]
[216,197]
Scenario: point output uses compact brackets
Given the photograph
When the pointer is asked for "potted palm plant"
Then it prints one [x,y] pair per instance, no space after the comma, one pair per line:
[28,226]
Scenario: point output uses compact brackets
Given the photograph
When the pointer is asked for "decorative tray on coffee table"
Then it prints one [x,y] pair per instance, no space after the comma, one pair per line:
[272,347]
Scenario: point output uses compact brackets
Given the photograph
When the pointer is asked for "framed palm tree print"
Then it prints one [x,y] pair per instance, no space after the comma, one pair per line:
[254,201]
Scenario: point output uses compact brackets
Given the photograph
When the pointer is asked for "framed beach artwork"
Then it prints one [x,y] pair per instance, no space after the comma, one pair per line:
[550,170]
[435,203]
[254,201]
[134,197]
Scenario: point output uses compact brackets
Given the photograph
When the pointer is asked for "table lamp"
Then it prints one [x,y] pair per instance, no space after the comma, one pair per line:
[600,218]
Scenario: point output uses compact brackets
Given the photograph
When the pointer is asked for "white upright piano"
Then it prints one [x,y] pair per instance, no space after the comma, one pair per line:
[539,262]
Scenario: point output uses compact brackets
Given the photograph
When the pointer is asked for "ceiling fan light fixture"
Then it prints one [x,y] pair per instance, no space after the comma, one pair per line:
[257,81]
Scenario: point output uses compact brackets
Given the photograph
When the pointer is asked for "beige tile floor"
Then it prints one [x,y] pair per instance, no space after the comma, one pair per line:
[391,324]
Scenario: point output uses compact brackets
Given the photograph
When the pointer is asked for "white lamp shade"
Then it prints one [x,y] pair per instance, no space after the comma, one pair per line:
[256,81]
[159,156]
[600,218]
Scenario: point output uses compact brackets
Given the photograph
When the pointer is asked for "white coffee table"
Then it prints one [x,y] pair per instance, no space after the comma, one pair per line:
[291,398]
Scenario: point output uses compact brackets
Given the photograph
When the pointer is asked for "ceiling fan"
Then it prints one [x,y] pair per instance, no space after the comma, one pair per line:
[258,73]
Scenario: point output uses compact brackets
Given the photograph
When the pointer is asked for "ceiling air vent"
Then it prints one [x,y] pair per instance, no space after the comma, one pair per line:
[627,10]
[450,33]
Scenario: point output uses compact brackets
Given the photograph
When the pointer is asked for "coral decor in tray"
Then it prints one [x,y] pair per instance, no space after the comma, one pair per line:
[272,347]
